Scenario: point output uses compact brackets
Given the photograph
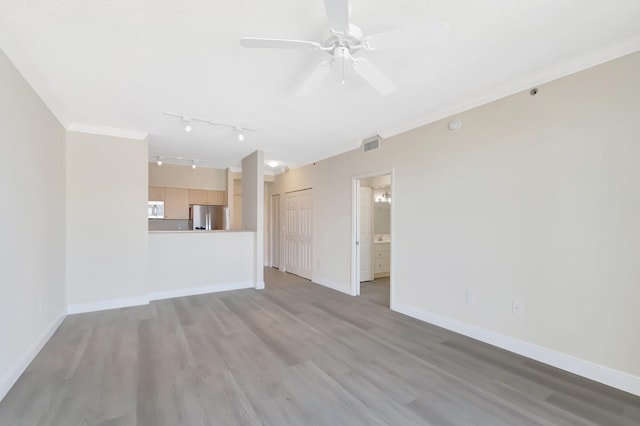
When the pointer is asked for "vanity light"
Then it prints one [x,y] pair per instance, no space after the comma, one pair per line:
[383,198]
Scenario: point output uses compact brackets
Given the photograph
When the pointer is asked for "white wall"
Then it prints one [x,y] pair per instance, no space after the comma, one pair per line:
[32,212]
[536,199]
[107,191]
[176,176]
[253,208]
[184,263]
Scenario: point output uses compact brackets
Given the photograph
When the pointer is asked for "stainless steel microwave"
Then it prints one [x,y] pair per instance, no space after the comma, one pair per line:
[156,210]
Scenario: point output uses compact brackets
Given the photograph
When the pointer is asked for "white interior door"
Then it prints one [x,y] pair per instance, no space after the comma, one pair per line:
[366,212]
[275,231]
[298,239]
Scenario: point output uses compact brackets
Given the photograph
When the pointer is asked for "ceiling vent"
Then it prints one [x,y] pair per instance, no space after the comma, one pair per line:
[371,144]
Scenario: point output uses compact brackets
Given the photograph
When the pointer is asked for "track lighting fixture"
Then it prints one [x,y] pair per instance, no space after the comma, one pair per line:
[189,119]
[160,160]
[187,127]
[272,163]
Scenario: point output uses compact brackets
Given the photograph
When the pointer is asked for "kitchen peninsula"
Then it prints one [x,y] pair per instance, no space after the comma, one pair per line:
[183,261]
[213,261]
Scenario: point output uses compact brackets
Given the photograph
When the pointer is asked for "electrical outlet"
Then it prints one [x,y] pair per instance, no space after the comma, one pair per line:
[471,296]
[517,308]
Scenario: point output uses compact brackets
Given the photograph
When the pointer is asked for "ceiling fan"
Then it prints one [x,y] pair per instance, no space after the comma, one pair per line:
[346,41]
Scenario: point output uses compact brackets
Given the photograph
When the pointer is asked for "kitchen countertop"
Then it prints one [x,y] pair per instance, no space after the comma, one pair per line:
[191,231]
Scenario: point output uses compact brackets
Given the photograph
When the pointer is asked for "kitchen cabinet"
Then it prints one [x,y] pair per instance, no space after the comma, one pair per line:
[156,193]
[198,196]
[176,203]
[215,198]
[206,197]
[381,259]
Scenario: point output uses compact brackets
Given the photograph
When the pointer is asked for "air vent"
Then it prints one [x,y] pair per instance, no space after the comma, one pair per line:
[372,144]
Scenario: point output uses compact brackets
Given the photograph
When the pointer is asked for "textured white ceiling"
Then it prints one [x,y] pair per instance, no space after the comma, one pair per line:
[122,63]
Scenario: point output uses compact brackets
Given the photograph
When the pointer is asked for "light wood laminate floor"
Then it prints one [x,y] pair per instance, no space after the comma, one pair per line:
[293,354]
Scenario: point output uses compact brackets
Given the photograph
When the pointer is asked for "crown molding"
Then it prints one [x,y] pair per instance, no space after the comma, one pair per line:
[95,129]
[526,82]
[10,45]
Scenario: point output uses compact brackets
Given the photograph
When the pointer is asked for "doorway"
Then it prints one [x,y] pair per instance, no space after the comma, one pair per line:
[372,242]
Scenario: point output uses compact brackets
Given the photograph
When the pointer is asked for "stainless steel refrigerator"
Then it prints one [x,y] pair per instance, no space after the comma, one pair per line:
[205,218]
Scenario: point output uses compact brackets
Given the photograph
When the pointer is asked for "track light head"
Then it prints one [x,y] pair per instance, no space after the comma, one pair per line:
[240,133]
[187,127]
[193,165]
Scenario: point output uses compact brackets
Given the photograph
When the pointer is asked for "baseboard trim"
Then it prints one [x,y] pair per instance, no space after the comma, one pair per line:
[599,373]
[193,291]
[332,285]
[259,285]
[103,305]
[12,376]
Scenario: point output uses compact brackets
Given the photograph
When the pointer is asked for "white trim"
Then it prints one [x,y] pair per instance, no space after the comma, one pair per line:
[102,305]
[332,285]
[192,291]
[354,285]
[95,129]
[17,55]
[508,88]
[259,285]
[581,367]
[12,376]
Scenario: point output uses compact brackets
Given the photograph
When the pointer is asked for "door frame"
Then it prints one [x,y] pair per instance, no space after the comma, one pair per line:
[355,232]
[275,230]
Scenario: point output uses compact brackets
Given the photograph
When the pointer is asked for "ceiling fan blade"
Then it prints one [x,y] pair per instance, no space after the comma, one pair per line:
[276,43]
[315,78]
[338,15]
[436,32]
[372,75]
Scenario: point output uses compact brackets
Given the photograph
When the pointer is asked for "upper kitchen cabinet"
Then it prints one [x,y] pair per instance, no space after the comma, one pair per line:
[176,203]
[215,198]
[206,197]
[198,196]
[156,193]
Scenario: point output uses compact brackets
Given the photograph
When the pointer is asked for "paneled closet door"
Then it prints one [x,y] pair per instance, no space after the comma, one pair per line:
[298,239]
